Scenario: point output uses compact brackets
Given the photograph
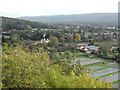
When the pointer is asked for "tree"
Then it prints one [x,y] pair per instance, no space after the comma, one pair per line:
[69,38]
[62,39]
[91,42]
[26,69]
[104,50]
[53,41]
[77,37]
[68,54]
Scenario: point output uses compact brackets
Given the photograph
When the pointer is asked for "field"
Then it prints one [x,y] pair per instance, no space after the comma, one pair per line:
[103,69]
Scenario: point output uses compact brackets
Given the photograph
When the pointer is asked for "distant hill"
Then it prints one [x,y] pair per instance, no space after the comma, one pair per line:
[19,24]
[76,18]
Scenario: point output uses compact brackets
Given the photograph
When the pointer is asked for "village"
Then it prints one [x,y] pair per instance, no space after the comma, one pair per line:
[95,48]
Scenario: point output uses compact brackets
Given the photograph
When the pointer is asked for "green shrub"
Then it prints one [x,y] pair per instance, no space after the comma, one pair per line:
[30,70]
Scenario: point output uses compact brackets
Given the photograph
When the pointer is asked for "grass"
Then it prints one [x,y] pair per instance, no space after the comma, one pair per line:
[107,43]
[118,81]
[100,69]
[77,54]
[94,64]
[109,74]
[107,66]
[93,57]
[103,64]
[90,58]
[115,66]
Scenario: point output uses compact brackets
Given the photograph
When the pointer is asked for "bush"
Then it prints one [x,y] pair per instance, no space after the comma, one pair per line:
[23,69]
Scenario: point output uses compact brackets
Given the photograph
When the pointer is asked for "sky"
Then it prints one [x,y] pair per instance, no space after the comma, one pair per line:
[17,8]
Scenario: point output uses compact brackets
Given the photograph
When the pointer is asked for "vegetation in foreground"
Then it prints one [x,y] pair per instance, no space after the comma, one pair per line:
[22,68]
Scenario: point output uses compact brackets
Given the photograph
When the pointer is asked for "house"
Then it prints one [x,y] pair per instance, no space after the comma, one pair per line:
[92,48]
[82,48]
[44,40]
[87,49]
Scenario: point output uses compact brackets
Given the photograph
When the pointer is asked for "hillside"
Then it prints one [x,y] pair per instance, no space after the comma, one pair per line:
[76,18]
[19,24]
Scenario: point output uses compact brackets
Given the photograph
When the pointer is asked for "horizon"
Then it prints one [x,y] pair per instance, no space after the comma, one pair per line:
[59,15]
[14,8]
